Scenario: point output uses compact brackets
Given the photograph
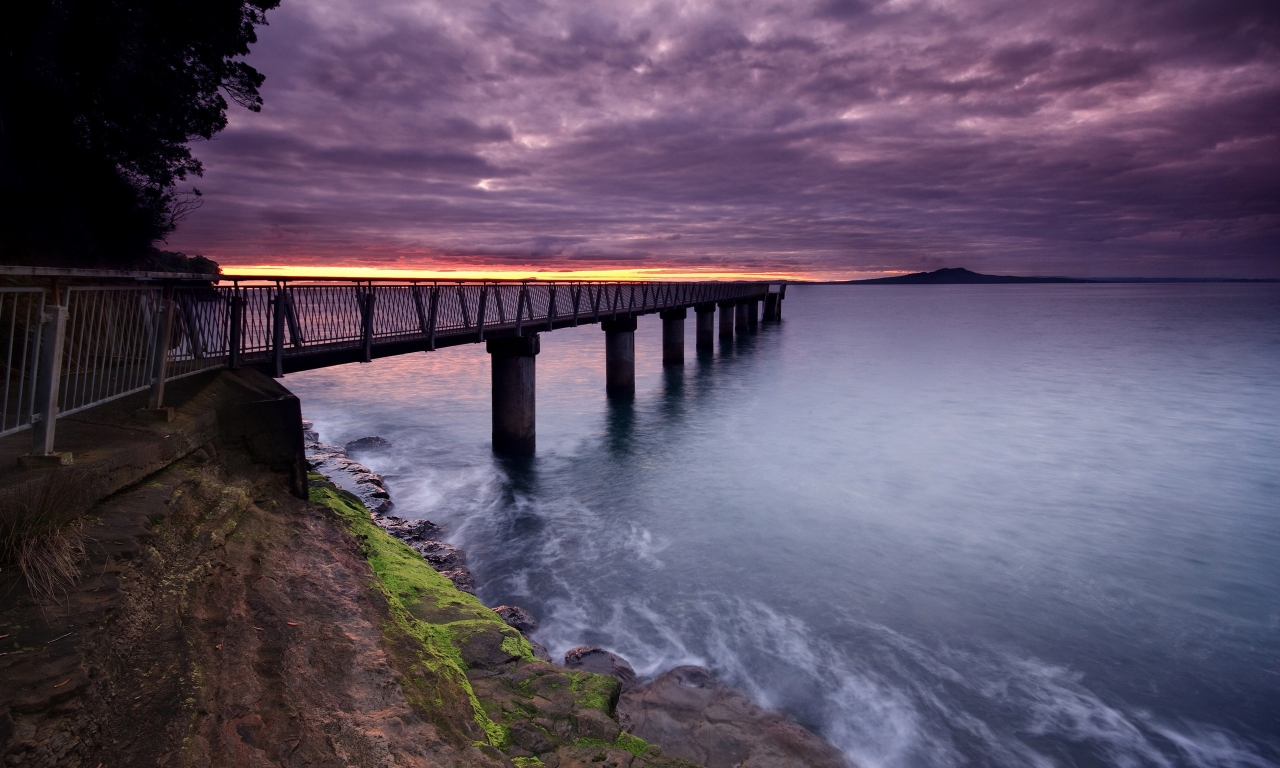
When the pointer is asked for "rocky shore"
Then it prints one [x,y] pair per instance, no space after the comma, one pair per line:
[686,711]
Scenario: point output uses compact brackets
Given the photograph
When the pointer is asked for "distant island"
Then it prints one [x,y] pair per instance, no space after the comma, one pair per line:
[962,276]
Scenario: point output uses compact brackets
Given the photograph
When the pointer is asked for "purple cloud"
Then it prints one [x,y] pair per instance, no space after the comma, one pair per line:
[1085,138]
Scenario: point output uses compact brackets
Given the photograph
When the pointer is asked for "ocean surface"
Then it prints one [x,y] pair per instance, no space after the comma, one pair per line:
[1022,525]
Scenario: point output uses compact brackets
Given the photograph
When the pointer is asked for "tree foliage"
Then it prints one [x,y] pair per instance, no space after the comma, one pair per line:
[99,100]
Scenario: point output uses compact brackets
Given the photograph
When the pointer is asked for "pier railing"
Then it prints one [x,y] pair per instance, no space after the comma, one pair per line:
[293,326]
[77,338]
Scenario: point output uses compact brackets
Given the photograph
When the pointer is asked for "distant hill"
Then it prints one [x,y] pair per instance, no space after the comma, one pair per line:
[962,276]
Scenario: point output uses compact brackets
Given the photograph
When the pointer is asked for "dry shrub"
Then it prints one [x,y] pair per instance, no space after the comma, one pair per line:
[42,532]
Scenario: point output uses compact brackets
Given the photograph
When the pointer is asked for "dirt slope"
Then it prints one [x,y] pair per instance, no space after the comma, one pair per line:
[224,622]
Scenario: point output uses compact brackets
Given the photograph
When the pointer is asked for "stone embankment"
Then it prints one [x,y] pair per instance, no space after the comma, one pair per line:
[685,711]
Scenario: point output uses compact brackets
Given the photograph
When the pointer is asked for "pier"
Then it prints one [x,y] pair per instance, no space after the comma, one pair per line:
[74,339]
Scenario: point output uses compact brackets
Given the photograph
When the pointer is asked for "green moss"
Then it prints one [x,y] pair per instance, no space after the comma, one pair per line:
[594,691]
[633,744]
[527,762]
[518,646]
[409,584]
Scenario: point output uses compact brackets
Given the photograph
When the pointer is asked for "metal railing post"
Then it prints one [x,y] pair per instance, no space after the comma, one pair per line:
[291,317]
[431,319]
[484,292]
[160,352]
[417,305]
[551,307]
[53,331]
[520,307]
[368,325]
[236,333]
[277,331]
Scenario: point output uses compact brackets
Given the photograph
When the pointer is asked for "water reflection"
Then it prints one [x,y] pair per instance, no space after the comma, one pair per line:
[671,404]
[620,425]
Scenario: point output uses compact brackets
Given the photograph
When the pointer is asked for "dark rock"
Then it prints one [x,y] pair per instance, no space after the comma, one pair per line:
[539,650]
[334,463]
[443,557]
[368,478]
[410,531]
[462,579]
[484,648]
[690,714]
[367,444]
[594,659]
[531,737]
[517,617]
[594,724]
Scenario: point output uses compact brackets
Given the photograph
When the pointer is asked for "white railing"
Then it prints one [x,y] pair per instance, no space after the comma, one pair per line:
[21,310]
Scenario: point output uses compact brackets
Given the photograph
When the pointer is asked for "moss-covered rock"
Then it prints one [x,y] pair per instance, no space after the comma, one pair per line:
[459,656]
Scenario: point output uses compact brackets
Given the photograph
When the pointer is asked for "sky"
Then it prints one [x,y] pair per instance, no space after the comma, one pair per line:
[830,139]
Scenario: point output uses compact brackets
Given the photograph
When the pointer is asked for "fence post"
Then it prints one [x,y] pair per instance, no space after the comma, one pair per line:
[160,355]
[53,328]
[431,319]
[237,322]
[417,305]
[277,330]
[368,325]
[291,316]
[520,307]
[484,292]
[551,307]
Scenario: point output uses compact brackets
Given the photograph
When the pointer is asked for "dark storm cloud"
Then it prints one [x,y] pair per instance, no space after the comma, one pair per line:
[1074,138]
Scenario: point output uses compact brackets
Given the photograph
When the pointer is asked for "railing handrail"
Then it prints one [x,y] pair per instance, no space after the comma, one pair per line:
[261,280]
[102,274]
[206,277]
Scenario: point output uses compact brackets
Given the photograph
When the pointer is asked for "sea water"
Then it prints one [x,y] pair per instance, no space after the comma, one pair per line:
[1010,525]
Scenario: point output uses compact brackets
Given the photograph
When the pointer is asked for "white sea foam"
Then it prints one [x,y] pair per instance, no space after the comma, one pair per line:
[887,700]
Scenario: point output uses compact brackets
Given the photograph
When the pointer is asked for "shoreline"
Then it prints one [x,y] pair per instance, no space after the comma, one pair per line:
[685,710]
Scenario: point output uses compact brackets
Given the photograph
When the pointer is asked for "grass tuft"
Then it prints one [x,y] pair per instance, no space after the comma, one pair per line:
[42,532]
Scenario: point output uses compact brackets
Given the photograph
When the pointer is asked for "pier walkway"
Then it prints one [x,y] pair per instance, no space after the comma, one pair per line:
[75,339]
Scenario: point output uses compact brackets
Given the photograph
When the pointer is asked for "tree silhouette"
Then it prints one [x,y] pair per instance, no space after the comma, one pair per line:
[99,100]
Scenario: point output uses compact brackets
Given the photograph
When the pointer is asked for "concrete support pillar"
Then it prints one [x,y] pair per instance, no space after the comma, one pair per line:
[726,320]
[740,317]
[706,327]
[770,307]
[753,314]
[619,356]
[673,336]
[512,360]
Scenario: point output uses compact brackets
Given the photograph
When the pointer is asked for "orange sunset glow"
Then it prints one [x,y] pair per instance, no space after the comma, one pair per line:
[464,272]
